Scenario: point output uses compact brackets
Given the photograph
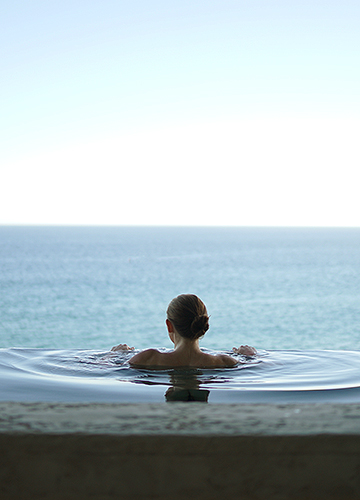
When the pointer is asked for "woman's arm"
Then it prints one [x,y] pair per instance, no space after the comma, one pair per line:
[246,350]
[142,358]
[122,347]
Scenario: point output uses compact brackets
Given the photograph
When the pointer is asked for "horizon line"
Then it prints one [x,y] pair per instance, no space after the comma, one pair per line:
[260,226]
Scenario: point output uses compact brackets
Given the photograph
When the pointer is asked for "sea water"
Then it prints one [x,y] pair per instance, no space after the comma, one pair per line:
[67,294]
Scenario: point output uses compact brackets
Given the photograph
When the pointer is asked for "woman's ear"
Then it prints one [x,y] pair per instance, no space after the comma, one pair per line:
[171,331]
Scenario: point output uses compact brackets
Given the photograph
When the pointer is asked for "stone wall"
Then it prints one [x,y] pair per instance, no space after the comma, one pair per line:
[179,451]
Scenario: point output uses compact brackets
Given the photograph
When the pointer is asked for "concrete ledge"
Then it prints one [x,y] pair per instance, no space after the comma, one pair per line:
[179,451]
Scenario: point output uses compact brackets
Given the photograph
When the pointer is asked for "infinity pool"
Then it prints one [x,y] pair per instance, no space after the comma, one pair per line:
[282,376]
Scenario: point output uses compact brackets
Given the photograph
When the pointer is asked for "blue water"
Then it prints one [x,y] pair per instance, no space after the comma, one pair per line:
[96,287]
[99,376]
[69,294]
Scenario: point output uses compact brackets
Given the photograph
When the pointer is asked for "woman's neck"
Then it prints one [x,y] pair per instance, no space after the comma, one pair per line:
[184,344]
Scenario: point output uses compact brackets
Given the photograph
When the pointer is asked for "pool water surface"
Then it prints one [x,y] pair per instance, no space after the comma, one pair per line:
[276,376]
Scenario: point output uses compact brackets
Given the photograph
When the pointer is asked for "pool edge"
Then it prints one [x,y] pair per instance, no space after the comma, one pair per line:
[179,450]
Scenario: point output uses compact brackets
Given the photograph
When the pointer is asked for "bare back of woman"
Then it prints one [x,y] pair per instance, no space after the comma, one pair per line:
[187,321]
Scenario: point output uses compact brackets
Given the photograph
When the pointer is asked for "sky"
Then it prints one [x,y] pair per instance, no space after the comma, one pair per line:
[180,112]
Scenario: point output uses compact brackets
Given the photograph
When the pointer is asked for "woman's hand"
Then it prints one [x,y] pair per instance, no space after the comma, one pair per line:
[246,350]
[122,347]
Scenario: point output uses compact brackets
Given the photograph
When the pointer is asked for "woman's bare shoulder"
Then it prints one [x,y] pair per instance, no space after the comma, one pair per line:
[146,357]
[226,360]
[217,361]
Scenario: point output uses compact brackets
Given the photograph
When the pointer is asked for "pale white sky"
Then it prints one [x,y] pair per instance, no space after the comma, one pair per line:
[166,112]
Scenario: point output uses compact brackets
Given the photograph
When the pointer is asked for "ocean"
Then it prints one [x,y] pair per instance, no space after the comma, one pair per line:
[94,287]
[68,294]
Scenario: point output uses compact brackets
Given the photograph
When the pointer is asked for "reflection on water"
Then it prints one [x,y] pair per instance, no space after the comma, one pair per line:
[93,376]
[185,386]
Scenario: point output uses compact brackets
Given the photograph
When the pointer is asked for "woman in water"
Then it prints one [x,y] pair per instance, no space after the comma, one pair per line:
[187,321]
